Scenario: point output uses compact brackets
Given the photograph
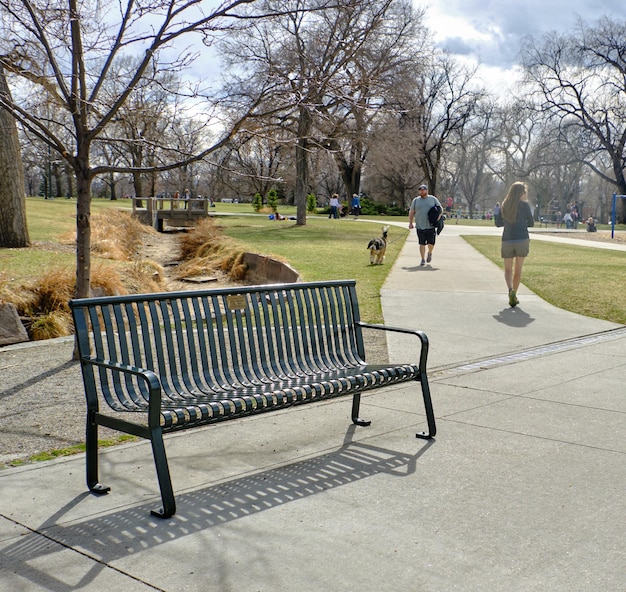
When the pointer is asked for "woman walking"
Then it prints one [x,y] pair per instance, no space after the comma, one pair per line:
[516,217]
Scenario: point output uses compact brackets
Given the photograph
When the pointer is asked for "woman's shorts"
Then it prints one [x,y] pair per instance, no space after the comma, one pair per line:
[426,236]
[512,249]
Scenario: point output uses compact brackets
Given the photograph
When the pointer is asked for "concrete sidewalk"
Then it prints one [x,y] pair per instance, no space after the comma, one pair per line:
[521,490]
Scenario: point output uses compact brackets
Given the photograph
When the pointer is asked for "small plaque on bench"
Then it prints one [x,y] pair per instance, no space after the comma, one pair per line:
[236,301]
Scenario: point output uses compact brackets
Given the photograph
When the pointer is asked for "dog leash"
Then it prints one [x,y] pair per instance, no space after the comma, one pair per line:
[394,240]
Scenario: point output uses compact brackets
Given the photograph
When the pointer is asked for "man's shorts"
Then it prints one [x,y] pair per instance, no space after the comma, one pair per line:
[426,236]
[512,249]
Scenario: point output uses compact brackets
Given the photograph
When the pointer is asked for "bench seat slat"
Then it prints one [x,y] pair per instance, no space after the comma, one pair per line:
[256,401]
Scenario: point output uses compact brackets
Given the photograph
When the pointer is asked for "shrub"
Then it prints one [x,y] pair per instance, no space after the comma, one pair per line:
[370,208]
[257,202]
[311,203]
[272,199]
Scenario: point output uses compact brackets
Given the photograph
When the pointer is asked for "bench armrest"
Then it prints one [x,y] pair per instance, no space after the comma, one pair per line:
[151,379]
[419,334]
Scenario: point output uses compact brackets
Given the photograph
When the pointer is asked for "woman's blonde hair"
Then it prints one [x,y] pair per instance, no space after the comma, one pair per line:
[510,204]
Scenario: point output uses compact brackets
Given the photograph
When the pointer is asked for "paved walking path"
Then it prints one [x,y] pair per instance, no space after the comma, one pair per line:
[522,489]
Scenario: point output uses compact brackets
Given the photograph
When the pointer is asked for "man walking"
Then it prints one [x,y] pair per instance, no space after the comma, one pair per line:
[418,214]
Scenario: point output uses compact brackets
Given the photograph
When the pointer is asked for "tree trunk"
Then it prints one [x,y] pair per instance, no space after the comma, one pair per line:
[138,185]
[83,235]
[69,179]
[13,227]
[56,171]
[350,171]
[302,166]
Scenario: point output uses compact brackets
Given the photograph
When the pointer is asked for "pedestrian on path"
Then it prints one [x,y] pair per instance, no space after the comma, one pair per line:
[418,214]
[516,217]
[356,205]
[334,206]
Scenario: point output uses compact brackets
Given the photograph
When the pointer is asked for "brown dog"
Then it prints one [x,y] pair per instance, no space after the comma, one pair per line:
[377,247]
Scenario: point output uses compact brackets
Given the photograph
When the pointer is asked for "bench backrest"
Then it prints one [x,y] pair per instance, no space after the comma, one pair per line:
[210,339]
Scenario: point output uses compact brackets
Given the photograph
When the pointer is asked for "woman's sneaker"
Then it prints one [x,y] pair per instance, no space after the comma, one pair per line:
[513,301]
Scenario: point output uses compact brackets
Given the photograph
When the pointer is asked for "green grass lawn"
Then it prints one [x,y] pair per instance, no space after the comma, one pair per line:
[584,280]
[323,249]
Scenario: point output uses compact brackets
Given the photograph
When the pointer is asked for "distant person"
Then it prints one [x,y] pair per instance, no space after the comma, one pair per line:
[496,209]
[356,205]
[575,214]
[175,203]
[418,214]
[567,218]
[516,217]
[591,225]
[334,206]
[449,205]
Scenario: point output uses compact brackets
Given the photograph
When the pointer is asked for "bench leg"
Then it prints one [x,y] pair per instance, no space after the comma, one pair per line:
[356,404]
[428,407]
[91,441]
[163,475]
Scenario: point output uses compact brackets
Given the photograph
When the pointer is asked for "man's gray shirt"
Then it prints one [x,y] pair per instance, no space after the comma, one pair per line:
[421,206]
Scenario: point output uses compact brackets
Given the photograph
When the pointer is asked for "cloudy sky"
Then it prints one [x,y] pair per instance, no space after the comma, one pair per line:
[490,31]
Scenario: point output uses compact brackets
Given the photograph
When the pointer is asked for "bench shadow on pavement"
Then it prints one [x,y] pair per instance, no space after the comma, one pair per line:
[123,533]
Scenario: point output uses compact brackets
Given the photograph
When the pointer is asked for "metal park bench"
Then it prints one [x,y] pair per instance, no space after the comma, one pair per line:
[158,363]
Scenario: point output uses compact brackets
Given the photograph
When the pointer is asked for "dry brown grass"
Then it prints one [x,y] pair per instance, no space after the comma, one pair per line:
[204,249]
[115,235]
[43,303]
[49,325]
[49,293]
[143,276]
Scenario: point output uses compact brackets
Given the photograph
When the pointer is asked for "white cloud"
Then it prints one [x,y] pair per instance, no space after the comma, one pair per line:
[491,31]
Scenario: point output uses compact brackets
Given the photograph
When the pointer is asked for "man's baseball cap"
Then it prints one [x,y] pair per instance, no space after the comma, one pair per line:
[423,187]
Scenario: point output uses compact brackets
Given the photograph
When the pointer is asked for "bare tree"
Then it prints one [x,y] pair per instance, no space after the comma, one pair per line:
[580,78]
[313,69]
[515,128]
[141,124]
[13,228]
[65,55]
[466,172]
[370,87]
[445,99]
[412,141]
[255,161]
[393,160]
